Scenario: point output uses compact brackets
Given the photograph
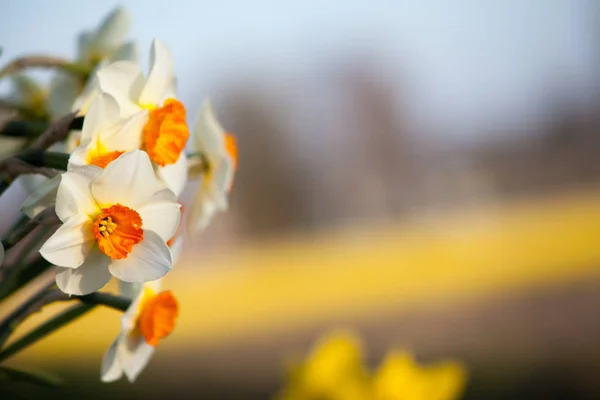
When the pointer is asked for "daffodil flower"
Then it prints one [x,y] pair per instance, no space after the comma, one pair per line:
[103,45]
[150,318]
[400,377]
[218,160]
[105,136]
[165,133]
[116,222]
[333,370]
[175,244]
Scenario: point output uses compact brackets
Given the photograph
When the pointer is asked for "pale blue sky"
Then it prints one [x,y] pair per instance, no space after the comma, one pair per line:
[467,63]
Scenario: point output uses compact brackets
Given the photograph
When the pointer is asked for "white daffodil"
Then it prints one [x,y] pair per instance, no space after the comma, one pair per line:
[130,290]
[218,160]
[116,222]
[166,132]
[105,136]
[95,48]
[150,318]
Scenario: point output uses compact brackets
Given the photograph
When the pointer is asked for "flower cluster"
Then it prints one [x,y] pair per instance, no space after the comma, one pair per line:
[334,370]
[118,201]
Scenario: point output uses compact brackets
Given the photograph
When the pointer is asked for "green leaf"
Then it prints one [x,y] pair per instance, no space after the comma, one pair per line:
[36,377]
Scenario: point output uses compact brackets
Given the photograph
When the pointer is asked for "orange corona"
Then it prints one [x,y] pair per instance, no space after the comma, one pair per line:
[158,314]
[118,229]
[166,133]
[102,160]
[231,148]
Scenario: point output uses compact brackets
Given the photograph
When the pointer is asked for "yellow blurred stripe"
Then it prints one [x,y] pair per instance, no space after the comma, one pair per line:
[270,287]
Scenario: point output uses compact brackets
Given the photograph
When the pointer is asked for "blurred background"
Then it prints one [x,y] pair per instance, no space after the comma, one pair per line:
[426,173]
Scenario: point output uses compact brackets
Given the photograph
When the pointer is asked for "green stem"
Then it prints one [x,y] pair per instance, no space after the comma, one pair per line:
[119,303]
[33,129]
[24,129]
[34,304]
[76,69]
[88,303]
[45,329]
[48,159]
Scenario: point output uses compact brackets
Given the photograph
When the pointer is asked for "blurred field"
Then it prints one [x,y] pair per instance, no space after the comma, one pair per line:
[483,285]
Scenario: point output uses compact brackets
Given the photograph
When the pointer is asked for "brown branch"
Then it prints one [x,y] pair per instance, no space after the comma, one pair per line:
[56,132]
[46,217]
[32,61]
[13,167]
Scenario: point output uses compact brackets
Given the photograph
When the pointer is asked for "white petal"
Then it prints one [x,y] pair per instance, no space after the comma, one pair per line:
[221,180]
[44,196]
[130,290]
[149,260]
[211,196]
[90,277]
[174,175]
[31,182]
[160,78]
[79,157]
[103,113]
[134,356]
[128,180]
[127,52]
[126,135]
[71,243]
[111,33]
[161,217]
[209,135]
[176,249]
[84,45]
[202,211]
[73,141]
[64,89]
[171,92]
[111,368]
[123,80]
[74,196]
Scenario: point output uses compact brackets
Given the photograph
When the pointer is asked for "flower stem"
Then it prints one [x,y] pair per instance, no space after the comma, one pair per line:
[119,303]
[88,302]
[45,329]
[34,304]
[40,61]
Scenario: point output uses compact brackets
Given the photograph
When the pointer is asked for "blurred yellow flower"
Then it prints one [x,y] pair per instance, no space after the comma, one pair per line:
[334,370]
[400,377]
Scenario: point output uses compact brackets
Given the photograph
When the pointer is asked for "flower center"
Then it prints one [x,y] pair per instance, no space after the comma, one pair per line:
[103,159]
[158,315]
[166,132]
[117,229]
